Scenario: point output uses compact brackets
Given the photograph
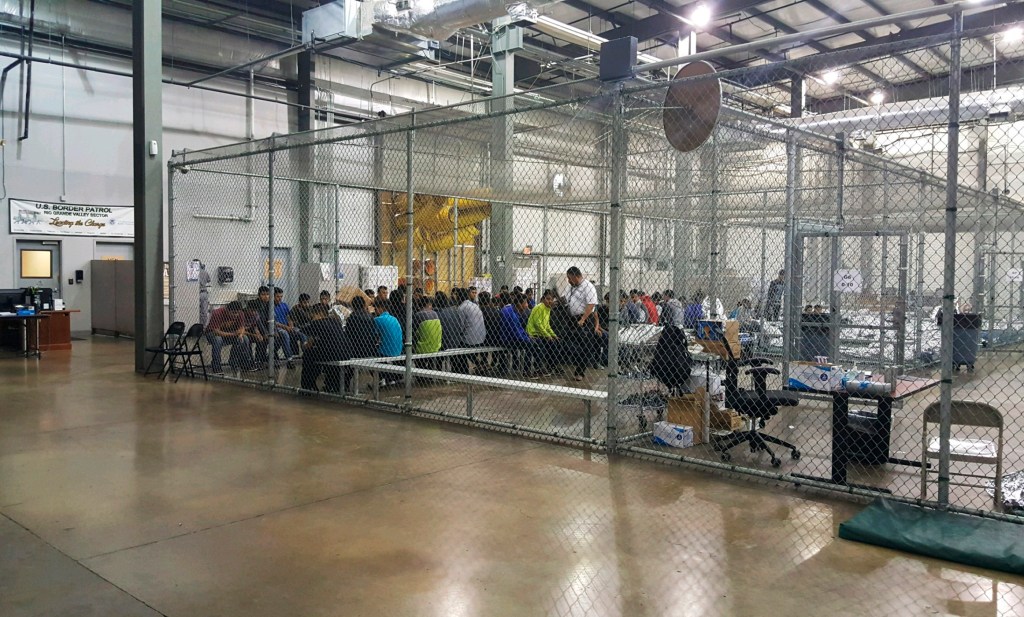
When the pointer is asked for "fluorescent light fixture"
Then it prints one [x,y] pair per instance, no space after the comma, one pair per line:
[831,77]
[1013,35]
[701,16]
[877,97]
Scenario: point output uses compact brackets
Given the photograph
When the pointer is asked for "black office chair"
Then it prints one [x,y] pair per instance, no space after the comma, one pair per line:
[758,405]
[185,353]
[172,340]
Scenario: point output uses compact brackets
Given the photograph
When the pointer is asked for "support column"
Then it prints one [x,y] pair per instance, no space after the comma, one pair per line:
[797,96]
[506,39]
[949,264]
[306,159]
[618,164]
[147,149]
[983,238]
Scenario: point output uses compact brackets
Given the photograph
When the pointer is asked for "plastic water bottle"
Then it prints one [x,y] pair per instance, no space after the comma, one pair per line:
[868,388]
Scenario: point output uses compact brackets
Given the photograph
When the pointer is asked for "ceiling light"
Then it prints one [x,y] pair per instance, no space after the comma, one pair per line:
[831,77]
[877,97]
[701,16]
[1013,35]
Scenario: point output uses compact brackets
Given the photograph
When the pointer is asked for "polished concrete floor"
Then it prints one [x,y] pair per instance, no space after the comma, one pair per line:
[128,496]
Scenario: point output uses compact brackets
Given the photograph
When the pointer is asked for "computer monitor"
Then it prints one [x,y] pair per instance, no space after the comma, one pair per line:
[9,298]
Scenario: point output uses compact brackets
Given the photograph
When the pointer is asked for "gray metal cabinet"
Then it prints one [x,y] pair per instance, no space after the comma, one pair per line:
[113,297]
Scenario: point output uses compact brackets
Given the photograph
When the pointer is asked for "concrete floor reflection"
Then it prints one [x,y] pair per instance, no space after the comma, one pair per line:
[128,496]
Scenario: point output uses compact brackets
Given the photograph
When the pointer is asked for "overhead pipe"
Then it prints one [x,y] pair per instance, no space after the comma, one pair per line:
[28,70]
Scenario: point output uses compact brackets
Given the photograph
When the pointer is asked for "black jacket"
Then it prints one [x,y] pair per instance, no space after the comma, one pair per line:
[328,341]
[363,336]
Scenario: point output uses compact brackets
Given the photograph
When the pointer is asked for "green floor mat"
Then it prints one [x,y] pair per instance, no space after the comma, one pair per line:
[970,540]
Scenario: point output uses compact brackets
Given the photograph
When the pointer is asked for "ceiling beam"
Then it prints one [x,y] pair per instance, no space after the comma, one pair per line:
[864,34]
[778,24]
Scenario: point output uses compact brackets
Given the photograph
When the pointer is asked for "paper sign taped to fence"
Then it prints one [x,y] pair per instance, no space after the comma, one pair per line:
[848,281]
[59,219]
[1015,275]
[72,219]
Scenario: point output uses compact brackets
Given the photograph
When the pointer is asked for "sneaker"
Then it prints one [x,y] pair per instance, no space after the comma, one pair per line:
[217,371]
[291,364]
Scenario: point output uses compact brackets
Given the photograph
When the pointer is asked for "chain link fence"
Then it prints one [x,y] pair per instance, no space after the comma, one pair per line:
[803,298]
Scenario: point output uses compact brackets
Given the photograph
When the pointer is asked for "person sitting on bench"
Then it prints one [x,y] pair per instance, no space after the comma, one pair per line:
[326,342]
[538,327]
[227,327]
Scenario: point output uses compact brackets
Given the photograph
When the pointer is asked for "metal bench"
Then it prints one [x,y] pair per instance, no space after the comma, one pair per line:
[588,396]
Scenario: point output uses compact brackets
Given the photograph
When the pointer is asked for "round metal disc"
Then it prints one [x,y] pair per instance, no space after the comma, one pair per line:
[691,106]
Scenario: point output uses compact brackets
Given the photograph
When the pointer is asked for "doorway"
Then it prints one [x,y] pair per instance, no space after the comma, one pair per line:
[37,264]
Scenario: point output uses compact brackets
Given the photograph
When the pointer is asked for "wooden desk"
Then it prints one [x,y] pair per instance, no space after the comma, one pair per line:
[54,332]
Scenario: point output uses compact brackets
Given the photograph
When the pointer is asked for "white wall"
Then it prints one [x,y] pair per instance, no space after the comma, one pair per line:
[79,148]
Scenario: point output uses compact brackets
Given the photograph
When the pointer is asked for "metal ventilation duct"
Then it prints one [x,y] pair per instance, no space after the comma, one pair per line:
[429,19]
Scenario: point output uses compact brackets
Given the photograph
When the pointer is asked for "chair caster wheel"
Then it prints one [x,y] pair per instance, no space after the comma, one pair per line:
[795,454]
[726,457]
[776,462]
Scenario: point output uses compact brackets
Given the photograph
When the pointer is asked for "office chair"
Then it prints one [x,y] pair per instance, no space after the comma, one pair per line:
[758,405]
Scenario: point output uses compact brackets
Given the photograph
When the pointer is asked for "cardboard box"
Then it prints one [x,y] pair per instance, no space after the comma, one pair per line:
[668,434]
[726,420]
[688,410]
[718,335]
[811,376]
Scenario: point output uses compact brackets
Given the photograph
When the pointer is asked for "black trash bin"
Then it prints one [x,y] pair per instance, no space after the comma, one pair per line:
[815,336]
[966,339]
[868,439]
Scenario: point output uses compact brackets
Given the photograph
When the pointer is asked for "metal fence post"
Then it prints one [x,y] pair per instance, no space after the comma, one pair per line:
[788,320]
[271,322]
[337,223]
[170,248]
[835,251]
[949,267]
[410,195]
[618,182]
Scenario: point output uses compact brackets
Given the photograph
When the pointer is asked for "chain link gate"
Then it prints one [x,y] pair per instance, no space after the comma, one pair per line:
[554,268]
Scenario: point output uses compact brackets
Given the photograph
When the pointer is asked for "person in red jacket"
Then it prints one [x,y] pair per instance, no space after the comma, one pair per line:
[650,307]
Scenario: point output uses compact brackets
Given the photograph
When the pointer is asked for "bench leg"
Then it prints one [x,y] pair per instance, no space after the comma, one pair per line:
[355,381]
[376,385]
[586,419]
[469,400]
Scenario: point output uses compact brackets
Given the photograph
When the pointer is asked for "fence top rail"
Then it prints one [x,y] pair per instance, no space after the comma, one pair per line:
[495,382]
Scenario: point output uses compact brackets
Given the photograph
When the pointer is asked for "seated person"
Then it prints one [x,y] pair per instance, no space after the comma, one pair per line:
[227,327]
[256,316]
[300,313]
[694,311]
[326,342]
[453,330]
[426,327]
[325,299]
[538,327]
[291,338]
[629,312]
[364,338]
[390,332]
[514,335]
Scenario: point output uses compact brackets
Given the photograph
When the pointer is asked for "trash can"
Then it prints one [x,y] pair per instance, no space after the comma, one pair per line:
[815,336]
[868,441]
[966,339]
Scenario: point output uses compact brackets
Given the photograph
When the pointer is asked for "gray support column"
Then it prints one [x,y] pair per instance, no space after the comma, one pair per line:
[918,320]
[949,265]
[504,42]
[271,322]
[619,148]
[983,237]
[900,309]
[305,156]
[789,316]
[147,149]
[835,298]
[797,96]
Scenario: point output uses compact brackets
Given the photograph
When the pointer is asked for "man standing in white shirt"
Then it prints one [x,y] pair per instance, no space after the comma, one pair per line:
[581,299]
